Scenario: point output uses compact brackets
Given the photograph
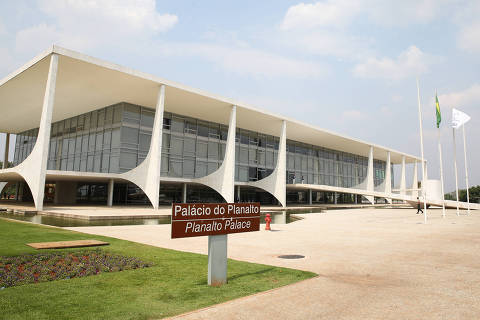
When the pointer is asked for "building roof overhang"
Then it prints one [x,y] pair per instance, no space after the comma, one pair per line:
[85,83]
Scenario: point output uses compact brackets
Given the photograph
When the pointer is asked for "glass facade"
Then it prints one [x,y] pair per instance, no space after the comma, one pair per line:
[316,165]
[191,148]
[255,155]
[116,139]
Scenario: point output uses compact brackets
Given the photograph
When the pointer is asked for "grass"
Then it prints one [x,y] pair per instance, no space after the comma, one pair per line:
[175,284]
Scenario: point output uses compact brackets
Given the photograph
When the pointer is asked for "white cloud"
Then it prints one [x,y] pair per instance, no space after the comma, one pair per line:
[88,25]
[406,12]
[36,38]
[84,24]
[136,15]
[247,61]
[329,27]
[335,13]
[328,13]
[411,62]
[6,61]
[468,33]
[463,98]
[330,43]
[468,37]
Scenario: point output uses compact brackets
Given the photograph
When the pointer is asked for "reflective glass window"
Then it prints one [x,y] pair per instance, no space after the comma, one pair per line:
[177,124]
[200,169]
[128,160]
[189,146]
[176,146]
[202,148]
[129,135]
[176,167]
[202,129]
[213,150]
[189,167]
[212,167]
[147,118]
[144,141]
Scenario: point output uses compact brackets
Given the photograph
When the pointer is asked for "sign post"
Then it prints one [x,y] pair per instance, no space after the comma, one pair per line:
[215,220]
[217,259]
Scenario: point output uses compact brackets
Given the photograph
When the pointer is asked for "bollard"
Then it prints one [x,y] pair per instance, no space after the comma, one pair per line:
[267,221]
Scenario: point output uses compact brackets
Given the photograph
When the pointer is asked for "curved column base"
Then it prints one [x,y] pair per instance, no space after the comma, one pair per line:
[223,180]
[147,174]
[276,183]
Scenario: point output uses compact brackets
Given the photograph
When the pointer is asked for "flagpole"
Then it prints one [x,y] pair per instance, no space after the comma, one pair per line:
[441,162]
[466,169]
[441,173]
[423,161]
[455,165]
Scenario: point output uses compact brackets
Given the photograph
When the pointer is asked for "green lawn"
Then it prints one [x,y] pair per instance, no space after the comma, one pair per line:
[175,284]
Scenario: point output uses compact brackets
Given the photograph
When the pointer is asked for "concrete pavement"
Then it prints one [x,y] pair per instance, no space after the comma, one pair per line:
[372,264]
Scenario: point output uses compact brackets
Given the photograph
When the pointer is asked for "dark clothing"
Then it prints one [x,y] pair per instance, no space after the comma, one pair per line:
[419,208]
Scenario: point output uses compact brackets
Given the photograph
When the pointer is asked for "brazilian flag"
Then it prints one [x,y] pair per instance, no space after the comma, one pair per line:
[439,114]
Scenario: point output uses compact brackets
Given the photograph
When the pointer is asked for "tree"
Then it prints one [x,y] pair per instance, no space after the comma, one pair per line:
[9,165]
[474,193]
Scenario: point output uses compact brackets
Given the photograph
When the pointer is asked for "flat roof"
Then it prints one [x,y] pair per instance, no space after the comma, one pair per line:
[85,84]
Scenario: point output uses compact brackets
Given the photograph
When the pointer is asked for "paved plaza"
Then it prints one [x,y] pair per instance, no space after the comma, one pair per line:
[371,264]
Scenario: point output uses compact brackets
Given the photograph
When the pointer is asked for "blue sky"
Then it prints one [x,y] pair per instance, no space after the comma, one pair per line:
[347,66]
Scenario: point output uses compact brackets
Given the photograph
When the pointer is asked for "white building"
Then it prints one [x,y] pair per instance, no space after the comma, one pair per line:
[94,131]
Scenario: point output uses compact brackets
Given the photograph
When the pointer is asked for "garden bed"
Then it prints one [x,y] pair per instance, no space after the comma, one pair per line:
[32,268]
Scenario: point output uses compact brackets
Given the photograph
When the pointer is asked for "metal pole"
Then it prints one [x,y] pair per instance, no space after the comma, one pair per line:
[184,193]
[441,173]
[466,168]
[423,161]
[455,165]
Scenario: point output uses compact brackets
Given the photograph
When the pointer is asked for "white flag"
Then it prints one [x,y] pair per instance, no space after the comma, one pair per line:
[459,118]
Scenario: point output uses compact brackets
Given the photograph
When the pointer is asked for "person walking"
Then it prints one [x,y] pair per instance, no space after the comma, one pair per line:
[419,206]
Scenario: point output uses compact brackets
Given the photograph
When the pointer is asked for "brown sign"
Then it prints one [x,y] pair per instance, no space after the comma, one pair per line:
[203,219]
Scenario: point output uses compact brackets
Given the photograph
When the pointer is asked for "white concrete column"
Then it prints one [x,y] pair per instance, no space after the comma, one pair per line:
[223,180]
[415,180]
[402,177]
[388,177]
[335,197]
[310,195]
[184,193]
[110,192]
[370,182]
[33,169]
[2,185]
[276,182]
[147,174]
[7,147]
